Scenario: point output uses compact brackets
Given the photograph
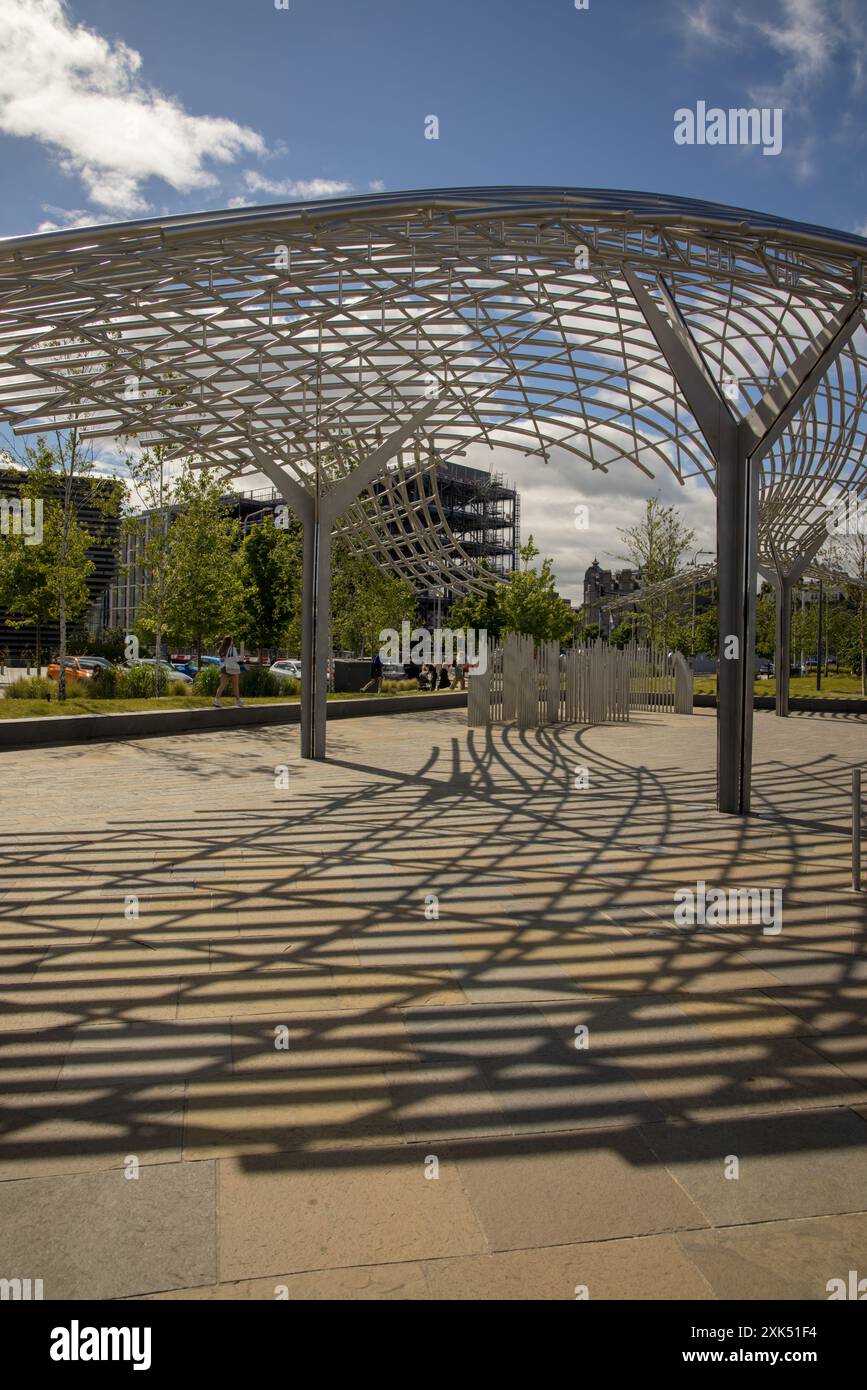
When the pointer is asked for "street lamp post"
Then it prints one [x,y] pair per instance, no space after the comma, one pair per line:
[694,565]
[819,641]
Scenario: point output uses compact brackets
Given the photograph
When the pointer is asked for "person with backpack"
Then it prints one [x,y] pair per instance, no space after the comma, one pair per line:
[230,670]
[375,682]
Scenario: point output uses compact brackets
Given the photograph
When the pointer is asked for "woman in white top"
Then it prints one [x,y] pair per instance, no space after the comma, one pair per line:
[230,670]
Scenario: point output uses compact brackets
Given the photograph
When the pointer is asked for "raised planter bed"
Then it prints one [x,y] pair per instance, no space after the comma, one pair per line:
[99,728]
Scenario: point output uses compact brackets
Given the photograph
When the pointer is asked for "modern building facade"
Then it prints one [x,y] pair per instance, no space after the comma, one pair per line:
[478,508]
[127,587]
[95,511]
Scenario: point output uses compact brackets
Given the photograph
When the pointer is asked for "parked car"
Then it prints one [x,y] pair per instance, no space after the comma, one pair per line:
[169,673]
[191,668]
[95,663]
[84,668]
[287,670]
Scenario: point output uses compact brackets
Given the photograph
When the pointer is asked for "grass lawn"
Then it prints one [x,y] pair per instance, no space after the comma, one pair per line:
[834,684]
[30,709]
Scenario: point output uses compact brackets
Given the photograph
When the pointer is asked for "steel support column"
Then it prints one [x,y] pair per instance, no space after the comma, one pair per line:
[737,447]
[783,645]
[317,513]
[784,580]
[737,501]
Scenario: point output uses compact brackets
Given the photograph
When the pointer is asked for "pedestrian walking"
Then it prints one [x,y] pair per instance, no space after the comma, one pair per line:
[375,682]
[230,670]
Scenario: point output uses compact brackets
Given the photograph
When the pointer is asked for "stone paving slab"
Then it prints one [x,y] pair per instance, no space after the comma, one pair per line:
[288,1212]
[430,949]
[805,1163]
[296,1110]
[103,1235]
[73,1130]
[560,1189]
[647,1267]
[779,1259]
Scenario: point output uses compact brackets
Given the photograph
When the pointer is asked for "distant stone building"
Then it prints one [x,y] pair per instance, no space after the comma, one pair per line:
[600,584]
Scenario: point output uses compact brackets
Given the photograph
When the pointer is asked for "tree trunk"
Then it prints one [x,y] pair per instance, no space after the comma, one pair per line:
[61,680]
[158,670]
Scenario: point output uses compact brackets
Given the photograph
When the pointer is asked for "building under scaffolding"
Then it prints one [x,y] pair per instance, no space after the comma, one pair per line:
[483,514]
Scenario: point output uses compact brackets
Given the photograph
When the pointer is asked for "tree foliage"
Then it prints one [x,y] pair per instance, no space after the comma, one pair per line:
[656,547]
[204,592]
[270,568]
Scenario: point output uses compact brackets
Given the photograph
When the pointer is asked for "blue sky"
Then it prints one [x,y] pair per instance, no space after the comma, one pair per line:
[335,92]
[113,109]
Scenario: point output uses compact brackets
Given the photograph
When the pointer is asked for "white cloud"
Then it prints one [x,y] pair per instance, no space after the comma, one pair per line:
[83,97]
[807,37]
[803,44]
[377,186]
[65,218]
[294,188]
[549,494]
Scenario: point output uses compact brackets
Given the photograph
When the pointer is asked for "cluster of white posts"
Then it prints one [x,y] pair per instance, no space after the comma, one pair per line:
[597,684]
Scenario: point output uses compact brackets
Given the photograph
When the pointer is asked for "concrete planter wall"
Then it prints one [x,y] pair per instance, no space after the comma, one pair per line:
[834,704]
[83,728]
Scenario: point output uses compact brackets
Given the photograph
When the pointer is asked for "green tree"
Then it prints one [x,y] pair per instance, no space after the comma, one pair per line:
[61,477]
[531,604]
[656,547]
[204,591]
[805,628]
[850,554]
[26,591]
[482,612]
[365,601]
[707,630]
[271,579]
[624,633]
[766,624]
[154,487]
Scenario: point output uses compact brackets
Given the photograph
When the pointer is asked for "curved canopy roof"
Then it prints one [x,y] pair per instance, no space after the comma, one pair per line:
[314,330]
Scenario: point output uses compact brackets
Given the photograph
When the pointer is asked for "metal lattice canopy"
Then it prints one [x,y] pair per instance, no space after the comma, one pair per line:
[700,575]
[311,332]
[312,342]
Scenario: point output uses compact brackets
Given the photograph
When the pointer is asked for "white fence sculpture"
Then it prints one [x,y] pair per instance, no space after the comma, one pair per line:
[597,684]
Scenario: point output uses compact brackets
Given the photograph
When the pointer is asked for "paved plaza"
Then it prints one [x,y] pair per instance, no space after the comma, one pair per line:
[420,1023]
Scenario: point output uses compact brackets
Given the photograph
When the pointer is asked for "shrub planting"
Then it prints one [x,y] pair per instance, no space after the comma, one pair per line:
[103,686]
[135,684]
[31,688]
[258,681]
[206,681]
